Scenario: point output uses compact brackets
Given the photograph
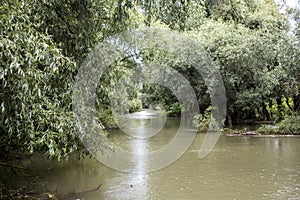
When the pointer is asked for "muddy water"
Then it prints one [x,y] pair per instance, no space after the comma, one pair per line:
[237,168]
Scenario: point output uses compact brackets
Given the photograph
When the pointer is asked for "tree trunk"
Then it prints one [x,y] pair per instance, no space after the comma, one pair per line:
[279,108]
[296,100]
[265,112]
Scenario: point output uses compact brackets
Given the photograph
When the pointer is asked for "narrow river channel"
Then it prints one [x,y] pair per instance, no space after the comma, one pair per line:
[237,168]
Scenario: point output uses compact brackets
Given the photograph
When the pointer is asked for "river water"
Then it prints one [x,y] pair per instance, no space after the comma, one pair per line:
[237,168]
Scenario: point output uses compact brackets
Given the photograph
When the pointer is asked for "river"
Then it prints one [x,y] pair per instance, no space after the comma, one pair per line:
[237,168]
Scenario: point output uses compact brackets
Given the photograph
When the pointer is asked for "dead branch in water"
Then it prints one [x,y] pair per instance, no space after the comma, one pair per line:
[49,195]
[12,166]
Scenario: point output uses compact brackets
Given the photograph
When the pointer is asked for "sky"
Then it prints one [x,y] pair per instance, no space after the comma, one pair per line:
[291,3]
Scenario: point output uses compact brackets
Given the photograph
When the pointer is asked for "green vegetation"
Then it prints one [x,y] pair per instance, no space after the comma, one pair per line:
[43,43]
[290,125]
[135,105]
[35,81]
[202,121]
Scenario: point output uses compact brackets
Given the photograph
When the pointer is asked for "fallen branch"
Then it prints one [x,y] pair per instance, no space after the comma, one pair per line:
[12,166]
[48,195]
[75,193]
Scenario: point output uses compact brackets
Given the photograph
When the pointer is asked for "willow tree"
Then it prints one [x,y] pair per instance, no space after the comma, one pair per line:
[42,44]
[35,81]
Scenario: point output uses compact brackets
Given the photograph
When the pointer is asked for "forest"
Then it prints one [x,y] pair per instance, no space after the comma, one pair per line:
[255,44]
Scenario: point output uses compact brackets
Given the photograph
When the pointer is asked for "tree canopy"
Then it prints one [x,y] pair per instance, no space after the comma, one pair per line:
[43,43]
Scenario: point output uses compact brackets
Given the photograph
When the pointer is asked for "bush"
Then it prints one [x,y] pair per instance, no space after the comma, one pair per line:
[175,109]
[290,125]
[135,105]
[202,121]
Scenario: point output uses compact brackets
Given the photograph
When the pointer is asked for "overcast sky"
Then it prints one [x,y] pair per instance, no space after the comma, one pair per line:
[291,3]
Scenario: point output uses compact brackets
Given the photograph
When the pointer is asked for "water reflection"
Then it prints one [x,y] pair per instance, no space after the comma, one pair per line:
[136,181]
[237,168]
[144,124]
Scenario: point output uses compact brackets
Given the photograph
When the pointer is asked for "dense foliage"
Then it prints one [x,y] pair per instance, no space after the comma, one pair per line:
[290,125]
[43,43]
[35,87]
[259,68]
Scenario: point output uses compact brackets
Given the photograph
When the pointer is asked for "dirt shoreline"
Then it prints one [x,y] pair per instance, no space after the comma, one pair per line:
[257,134]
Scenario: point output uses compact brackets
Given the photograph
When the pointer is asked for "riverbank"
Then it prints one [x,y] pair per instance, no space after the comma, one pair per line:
[28,179]
[237,133]
[288,127]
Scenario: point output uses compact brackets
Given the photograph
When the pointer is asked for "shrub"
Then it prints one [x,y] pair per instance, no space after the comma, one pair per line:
[290,125]
[135,105]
